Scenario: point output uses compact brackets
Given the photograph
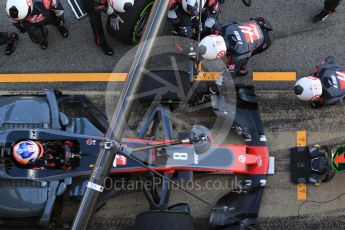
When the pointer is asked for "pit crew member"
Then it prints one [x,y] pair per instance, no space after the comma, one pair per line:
[32,16]
[94,9]
[183,14]
[243,40]
[326,86]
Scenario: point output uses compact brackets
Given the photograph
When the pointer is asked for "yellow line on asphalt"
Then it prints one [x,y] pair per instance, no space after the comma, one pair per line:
[84,77]
[121,77]
[301,138]
[208,76]
[63,77]
[301,192]
[302,187]
[274,76]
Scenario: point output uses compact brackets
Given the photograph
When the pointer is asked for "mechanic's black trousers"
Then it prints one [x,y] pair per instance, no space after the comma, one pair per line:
[95,21]
[4,38]
[331,5]
[39,33]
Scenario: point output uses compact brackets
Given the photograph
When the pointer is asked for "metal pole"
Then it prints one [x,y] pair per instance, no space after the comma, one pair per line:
[133,83]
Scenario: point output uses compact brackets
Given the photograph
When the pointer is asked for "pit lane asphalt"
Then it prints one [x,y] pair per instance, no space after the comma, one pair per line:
[298,46]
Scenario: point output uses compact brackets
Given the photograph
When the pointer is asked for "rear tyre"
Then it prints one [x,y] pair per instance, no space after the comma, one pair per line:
[167,220]
[135,19]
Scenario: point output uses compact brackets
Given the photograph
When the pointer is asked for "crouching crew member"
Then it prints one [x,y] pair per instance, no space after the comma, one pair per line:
[33,16]
[243,40]
[183,14]
[94,9]
[326,86]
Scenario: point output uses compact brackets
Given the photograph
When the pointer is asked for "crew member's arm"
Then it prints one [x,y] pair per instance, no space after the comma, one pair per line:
[325,101]
[326,98]
[213,10]
[214,5]
[330,60]
[56,7]
[318,104]
[18,25]
[175,3]
[234,62]
[319,68]
[116,20]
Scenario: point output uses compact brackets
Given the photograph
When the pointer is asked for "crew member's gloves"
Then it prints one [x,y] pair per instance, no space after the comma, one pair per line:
[316,105]
[210,22]
[115,22]
[196,23]
[187,31]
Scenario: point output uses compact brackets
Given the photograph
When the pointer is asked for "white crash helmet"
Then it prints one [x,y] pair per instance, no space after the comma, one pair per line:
[212,47]
[308,89]
[188,5]
[121,6]
[19,9]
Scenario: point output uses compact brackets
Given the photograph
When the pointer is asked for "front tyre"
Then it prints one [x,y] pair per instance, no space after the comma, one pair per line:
[135,20]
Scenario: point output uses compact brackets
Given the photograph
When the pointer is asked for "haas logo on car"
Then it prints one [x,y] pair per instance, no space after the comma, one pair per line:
[242,159]
[259,163]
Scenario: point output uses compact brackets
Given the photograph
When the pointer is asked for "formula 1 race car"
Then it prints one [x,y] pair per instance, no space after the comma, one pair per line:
[47,153]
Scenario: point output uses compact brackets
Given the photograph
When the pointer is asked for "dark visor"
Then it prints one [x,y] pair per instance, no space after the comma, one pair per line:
[14,12]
